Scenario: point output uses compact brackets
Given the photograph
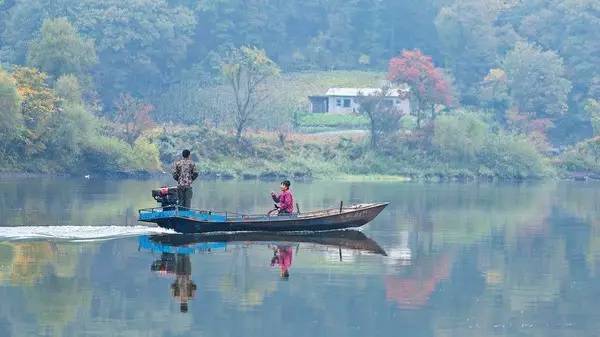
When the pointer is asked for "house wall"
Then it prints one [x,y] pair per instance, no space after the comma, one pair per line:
[336,104]
[318,104]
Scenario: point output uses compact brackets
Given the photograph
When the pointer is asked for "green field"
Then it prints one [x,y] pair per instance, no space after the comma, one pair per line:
[334,121]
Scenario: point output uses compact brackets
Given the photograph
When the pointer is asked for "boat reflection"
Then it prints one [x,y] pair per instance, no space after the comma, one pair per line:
[195,243]
[176,249]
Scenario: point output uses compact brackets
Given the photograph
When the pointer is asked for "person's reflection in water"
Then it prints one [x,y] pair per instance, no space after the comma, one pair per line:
[183,288]
[282,256]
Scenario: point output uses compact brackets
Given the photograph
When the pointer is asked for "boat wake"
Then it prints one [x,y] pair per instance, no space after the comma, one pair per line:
[77,233]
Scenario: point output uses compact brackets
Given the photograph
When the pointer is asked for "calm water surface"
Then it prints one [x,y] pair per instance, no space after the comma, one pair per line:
[462,260]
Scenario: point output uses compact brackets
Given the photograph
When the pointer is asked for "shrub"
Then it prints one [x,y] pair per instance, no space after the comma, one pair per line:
[512,156]
[145,155]
[333,120]
[459,136]
[584,156]
[107,154]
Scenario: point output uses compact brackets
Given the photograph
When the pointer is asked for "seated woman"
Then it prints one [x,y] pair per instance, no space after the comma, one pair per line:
[284,200]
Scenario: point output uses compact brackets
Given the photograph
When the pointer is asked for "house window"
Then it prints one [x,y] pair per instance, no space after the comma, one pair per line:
[347,103]
[338,102]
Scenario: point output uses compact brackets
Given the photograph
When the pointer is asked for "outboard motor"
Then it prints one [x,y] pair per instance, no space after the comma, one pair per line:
[165,196]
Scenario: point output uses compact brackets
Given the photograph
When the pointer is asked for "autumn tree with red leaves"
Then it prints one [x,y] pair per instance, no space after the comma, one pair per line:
[429,86]
[134,117]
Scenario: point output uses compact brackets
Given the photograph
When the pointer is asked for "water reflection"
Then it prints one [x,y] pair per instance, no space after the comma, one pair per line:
[282,257]
[463,260]
[176,251]
[183,289]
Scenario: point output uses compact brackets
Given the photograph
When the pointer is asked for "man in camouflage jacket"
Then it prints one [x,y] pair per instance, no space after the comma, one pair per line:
[185,172]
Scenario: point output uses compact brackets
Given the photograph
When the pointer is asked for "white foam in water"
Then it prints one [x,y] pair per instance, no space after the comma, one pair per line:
[77,233]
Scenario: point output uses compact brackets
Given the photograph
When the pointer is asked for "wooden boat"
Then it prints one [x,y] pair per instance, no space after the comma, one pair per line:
[184,220]
[190,243]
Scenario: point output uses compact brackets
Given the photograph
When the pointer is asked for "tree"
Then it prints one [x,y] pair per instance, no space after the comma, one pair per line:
[68,88]
[429,86]
[569,27]
[133,116]
[140,43]
[536,80]
[592,108]
[245,70]
[10,113]
[38,107]
[468,38]
[493,93]
[60,50]
[383,116]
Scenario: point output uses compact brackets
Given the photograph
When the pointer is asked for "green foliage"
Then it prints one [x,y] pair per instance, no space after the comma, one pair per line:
[512,156]
[59,132]
[107,155]
[460,136]
[10,116]
[38,107]
[140,41]
[498,156]
[168,52]
[145,156]
[493,92]
[60,50]
[469,40]
[592,108]
[583,157]
[569,27]
[70,126]
[536,80]
[333,120]
[68,88]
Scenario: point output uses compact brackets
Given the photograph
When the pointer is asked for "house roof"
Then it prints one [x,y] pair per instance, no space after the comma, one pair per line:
[352,92]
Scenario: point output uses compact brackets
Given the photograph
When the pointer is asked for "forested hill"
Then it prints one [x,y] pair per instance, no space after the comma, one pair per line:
[144,45]
[530,65]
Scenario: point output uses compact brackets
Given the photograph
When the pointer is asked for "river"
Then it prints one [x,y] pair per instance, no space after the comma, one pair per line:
[494,259]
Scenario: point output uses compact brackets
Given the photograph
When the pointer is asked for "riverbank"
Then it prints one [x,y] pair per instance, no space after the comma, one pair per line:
[265,155]
[344,156]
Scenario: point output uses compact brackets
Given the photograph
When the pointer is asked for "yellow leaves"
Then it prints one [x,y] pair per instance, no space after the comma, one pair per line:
[248,59]
[495,75]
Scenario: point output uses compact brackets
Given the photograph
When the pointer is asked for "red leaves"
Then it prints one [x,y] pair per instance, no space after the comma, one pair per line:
[418,71]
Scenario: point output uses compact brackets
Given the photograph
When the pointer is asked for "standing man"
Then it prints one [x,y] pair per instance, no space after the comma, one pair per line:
[184,171]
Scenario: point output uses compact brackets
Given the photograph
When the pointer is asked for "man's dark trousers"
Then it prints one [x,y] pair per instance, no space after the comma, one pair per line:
[184,196]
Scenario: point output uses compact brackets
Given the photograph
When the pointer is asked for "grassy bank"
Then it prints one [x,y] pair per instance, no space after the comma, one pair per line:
[262,155]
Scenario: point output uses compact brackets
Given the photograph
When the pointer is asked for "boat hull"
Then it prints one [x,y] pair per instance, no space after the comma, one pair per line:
[348,218]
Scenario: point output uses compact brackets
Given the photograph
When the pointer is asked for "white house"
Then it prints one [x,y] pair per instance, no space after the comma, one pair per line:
[344,100]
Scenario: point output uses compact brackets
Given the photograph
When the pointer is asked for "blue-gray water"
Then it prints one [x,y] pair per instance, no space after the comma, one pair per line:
[462,260]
